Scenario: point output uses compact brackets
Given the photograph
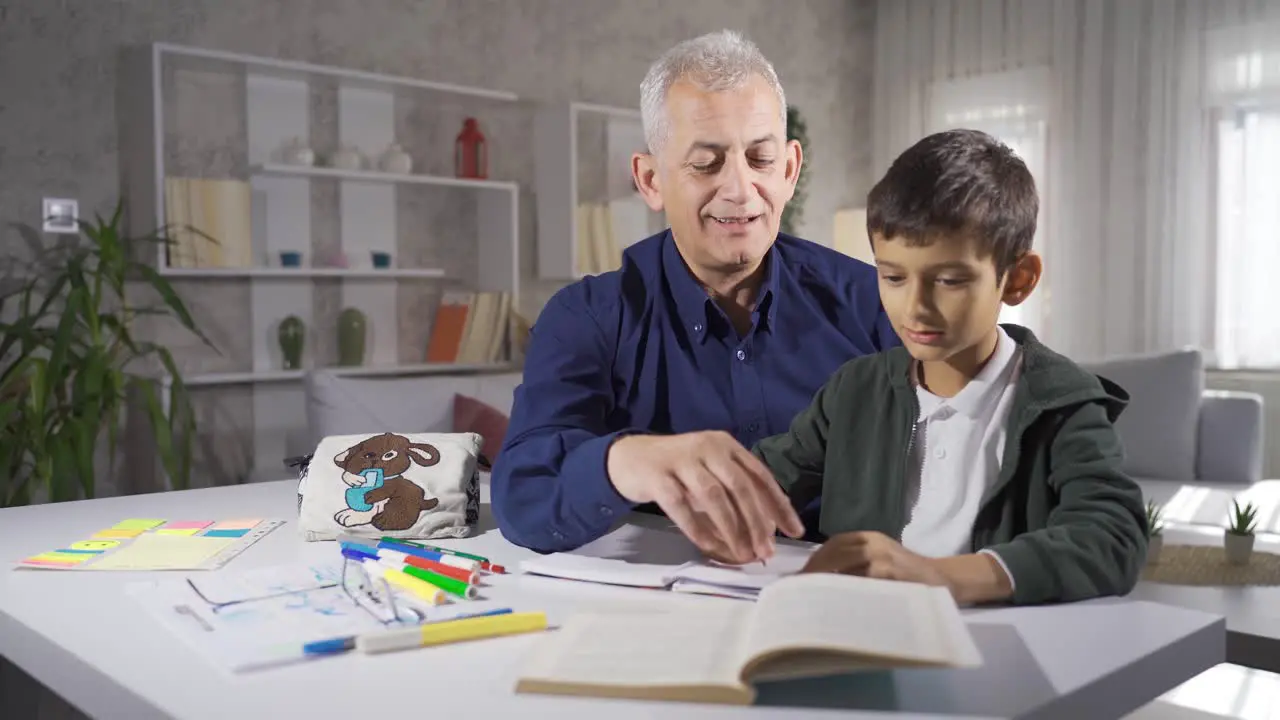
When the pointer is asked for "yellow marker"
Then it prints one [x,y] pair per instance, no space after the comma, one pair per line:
[424,590]
[451,631]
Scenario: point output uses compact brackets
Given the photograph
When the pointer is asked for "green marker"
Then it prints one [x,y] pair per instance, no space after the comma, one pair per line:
[450,585]
[433,548]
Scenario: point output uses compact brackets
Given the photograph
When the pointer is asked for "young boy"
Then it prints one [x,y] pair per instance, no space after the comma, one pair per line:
[973,456]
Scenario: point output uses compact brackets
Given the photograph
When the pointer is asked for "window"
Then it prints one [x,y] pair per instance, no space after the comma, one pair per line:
[1247,328]
[1013,108]
[1242,91]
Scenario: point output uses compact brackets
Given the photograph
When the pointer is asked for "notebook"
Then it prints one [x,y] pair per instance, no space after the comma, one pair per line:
[698,576]
[805,625]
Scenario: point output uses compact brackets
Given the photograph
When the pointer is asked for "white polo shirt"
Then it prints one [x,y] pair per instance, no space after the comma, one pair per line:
[956,456]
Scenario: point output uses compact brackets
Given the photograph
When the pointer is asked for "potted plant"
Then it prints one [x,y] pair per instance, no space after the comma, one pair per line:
[1238,539]
[71,365]
[793,211]
[1155,532]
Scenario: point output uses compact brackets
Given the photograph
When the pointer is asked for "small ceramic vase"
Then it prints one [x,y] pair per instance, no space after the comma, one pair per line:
[396,160]
[351,337]
[1237,547]
[292,335]
[348,158]
[296,152]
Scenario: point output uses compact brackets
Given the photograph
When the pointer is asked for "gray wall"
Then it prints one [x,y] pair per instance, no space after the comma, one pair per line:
[59,131]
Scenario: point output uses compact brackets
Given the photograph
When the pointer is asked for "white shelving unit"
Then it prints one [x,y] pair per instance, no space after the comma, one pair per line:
[559,157]
[276,97]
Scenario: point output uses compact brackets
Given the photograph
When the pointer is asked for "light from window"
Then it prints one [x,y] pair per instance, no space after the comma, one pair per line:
[1248,240]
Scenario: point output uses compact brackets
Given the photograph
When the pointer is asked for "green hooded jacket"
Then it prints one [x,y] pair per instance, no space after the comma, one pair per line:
[1062,515]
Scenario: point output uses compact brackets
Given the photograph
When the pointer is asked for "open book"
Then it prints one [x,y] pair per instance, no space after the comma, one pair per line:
[697,576]
[801,626]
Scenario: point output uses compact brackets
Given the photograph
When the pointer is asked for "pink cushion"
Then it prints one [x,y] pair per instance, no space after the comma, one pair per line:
[472,415]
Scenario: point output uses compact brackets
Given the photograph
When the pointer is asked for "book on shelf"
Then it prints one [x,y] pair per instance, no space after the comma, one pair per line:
[218,208]
[471,328]
[802,626]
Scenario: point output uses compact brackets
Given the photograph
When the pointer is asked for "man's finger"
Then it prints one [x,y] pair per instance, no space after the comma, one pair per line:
[676,505]
[710,496]
[776,504]
[749,501]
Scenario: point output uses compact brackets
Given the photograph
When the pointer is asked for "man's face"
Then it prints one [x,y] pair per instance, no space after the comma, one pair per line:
[943,298]
[723,174]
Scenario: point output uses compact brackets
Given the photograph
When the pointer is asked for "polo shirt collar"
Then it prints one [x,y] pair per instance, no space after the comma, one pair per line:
[984,388]
[692,302]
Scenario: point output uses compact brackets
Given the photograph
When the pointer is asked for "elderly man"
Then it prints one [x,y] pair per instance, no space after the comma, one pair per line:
[643,386]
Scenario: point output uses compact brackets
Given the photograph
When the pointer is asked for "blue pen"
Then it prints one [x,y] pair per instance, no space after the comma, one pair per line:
[329,647]
[358,552]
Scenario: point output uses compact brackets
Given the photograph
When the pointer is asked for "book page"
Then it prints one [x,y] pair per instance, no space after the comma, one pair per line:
[691,646]
[884,623]
[610,571]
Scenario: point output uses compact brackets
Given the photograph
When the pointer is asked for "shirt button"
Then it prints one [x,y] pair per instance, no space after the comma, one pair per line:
[697,327]
[753,427]
[940,453]
[742,354]
[557,534]
[605,510]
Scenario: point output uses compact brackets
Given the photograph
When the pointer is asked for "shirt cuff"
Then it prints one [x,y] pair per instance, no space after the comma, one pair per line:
[1012,583]
[587,468]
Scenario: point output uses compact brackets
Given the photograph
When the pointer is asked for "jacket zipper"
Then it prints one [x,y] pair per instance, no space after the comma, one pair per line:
[906,469]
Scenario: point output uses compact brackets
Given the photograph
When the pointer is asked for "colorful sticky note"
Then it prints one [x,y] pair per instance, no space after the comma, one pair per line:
[164,552]
[177,531]
[116,533]
[235,524]
[187,524]
[95,545]
[137,524]
[226,533]
[58,557]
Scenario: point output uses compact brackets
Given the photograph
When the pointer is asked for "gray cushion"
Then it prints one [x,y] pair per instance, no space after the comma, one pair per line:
[1159,428]
[351,405]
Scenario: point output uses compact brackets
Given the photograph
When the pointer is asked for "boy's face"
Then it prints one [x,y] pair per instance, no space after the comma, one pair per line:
[944,298]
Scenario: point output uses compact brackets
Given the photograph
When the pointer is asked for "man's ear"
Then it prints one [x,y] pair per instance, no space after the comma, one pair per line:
[1021,279]
[644,173]
[795,159]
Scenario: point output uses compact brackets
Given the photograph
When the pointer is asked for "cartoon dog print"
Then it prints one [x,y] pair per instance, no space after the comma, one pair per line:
[378,494]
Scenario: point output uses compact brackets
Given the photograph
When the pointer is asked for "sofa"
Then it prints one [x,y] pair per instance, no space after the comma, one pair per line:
[1177,433]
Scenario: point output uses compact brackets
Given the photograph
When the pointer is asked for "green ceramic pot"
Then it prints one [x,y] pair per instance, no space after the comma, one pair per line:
[292,335]
[352,331]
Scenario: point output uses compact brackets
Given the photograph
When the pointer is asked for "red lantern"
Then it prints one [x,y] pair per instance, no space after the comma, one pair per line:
[471,154]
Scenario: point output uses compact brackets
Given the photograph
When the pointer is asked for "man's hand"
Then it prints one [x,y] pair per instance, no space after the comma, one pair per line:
[719,494]
[874,555]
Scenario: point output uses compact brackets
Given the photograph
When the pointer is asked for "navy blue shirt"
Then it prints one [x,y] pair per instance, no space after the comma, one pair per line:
[644,349]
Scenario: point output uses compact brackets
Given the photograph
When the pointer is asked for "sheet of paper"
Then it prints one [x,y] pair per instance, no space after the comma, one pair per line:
[226,587]
[164,552]
[690,646]
[263,633]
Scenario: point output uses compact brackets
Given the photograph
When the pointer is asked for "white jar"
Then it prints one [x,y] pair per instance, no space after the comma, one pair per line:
[396,160]
[296,152]
[347,158]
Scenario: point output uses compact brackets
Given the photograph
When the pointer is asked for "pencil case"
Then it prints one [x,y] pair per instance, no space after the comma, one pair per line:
[403,485]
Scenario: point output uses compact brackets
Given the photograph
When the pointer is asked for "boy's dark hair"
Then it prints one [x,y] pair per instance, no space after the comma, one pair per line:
[958,182]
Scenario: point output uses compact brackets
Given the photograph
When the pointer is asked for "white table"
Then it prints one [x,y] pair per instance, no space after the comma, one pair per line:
[1252,613]
[79,635]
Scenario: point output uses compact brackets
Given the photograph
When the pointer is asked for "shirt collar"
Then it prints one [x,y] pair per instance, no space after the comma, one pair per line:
[692,301]
[985,387]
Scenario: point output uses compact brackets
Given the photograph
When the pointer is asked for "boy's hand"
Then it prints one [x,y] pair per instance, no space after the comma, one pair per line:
[874,555]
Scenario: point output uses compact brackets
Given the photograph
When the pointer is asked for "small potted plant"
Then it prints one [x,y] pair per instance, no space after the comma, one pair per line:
[1155,529]
[1238,539]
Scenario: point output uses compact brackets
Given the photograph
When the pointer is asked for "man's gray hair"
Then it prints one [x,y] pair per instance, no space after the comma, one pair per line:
[715,62]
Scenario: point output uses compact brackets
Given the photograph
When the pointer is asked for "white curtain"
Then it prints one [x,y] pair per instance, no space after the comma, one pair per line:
[1013,107]
[1243,93]
[1127,157]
